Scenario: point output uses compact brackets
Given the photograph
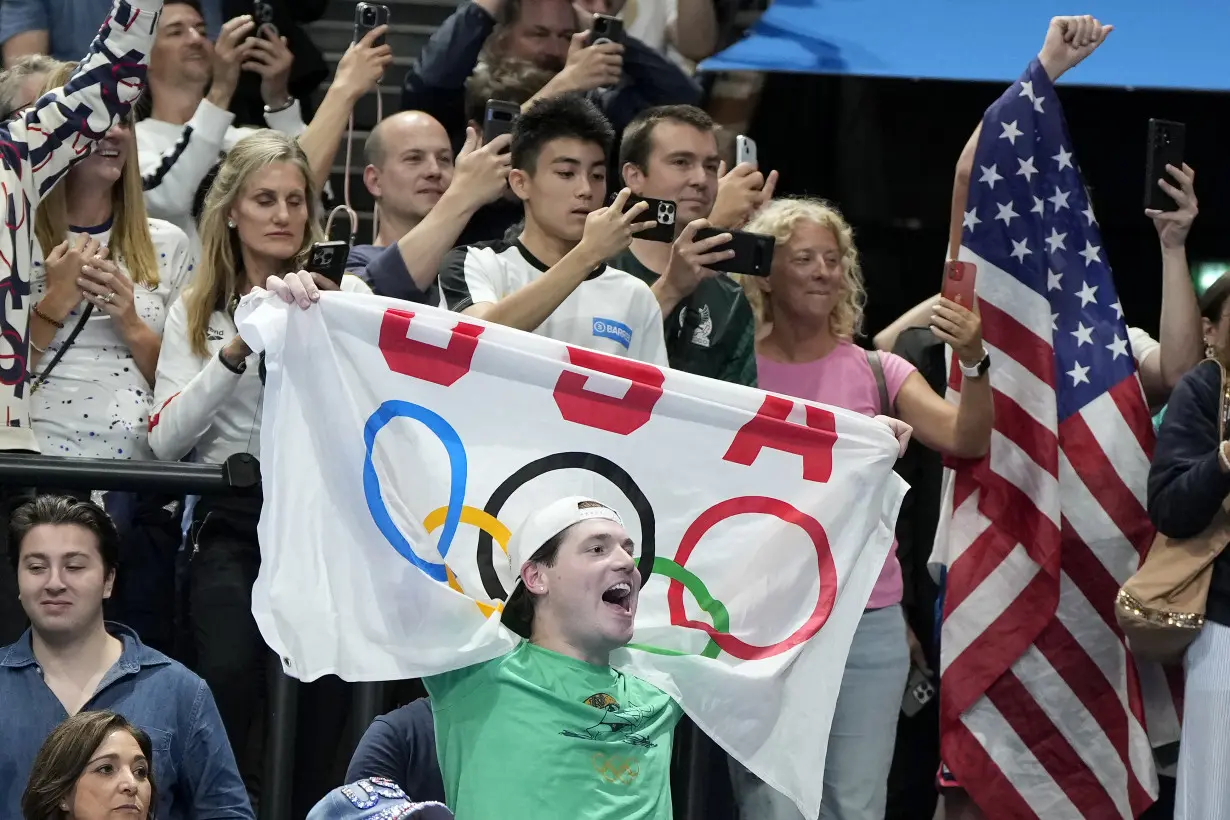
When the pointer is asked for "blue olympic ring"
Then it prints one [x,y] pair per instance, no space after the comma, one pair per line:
[457,490]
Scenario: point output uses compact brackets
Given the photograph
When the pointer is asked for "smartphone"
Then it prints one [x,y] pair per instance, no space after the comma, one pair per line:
[919,690]
[499,119]
[368,16]
[753,251]
[262,14]
[606,29]
[329,260]
[959,283]
[745,150]
[661,211]
[1166,141]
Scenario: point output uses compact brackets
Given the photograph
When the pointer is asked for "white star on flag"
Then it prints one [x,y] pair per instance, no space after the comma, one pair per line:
[1083,335]
[1011,132]
[1055,240]
[989,175]
[1060,199]
[1038,104]
[1088,212]
[1088,294]
[1006,213]
[1027,90]
[1079,374]
[1053,279]
[1038,206]
[971,219]
[1118,347]
[1027,168]
[1020,249]
[1054,321]
[1064,158]
[1117,309]
[1090,253]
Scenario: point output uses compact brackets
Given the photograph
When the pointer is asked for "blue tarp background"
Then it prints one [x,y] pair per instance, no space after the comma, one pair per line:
[1156,43]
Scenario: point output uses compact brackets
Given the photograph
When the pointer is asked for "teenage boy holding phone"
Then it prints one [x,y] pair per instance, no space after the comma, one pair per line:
[671,153]
[552,279]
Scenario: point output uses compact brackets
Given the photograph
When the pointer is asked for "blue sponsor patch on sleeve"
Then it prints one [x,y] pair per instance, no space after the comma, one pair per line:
[613,330]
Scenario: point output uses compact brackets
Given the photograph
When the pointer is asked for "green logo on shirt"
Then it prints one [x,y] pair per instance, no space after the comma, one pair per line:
[617,724]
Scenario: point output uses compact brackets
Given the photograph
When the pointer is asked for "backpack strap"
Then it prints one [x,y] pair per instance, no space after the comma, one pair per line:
[877,370]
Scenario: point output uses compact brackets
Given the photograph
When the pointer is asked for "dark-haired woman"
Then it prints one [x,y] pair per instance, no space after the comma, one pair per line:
[1189,482]
[94,765]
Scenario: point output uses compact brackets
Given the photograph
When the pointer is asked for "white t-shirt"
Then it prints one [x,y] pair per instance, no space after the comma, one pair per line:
[612,311]
[202,406]
[96,403]
[1143,345]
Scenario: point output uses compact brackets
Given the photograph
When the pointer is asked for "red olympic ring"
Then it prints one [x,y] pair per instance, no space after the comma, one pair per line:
[756,504]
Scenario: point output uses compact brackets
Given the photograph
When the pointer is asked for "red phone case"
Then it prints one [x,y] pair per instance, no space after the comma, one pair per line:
[959,283]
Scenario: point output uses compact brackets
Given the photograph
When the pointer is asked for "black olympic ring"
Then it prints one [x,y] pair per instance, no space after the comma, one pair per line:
[604,467]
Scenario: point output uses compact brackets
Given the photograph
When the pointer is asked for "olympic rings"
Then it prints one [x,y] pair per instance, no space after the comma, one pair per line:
[388,411]
[715,608]
[604,467]
[763,505]
[490,527]
[475,518]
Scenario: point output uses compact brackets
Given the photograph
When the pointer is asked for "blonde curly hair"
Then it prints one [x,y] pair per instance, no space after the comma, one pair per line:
[778,219]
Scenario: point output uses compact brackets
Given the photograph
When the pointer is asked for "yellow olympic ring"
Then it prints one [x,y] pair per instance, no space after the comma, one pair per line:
[485,522]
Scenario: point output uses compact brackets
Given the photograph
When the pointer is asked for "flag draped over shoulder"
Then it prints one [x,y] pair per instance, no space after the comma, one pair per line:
[402,445]
[1043,709]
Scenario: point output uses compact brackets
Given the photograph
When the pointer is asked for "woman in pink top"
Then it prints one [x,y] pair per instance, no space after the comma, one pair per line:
[808,311]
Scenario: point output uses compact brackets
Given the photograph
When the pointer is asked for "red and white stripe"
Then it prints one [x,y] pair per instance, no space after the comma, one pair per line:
[1043,709]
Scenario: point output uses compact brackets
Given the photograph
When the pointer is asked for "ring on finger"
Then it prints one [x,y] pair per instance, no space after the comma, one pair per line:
[109,297]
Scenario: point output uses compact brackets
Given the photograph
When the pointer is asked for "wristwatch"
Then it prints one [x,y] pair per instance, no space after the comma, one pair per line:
[976,371]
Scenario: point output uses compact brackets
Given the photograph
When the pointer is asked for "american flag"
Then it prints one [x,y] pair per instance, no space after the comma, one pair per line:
[1043,710]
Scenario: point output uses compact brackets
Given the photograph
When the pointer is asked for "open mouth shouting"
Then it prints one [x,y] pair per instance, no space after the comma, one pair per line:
[620,598]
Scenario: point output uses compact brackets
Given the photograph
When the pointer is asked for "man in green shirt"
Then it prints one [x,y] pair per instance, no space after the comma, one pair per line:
[550,730]
[671,152]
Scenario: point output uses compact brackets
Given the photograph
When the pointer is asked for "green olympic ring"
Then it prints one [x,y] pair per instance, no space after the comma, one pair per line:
[715,608]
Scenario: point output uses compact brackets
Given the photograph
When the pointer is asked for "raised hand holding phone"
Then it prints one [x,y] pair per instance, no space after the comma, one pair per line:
[590,67]
[960,328]
[609,230]
[1174,225]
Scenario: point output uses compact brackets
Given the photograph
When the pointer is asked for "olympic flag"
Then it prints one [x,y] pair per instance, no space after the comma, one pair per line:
[401,445]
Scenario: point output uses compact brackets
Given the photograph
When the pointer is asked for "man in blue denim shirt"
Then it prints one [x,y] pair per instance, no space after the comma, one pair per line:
[65,553]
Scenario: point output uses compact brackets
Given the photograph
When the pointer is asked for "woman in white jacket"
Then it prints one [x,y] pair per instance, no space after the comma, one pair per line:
[257,223]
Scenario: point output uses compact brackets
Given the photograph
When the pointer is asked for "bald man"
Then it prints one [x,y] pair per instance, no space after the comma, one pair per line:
[425,198]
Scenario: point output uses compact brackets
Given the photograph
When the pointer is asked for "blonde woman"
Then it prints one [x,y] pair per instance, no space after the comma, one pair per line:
[103,277]
[808,312]
[257,223]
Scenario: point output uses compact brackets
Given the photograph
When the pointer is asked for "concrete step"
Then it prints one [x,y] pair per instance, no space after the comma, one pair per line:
[425,12]
[334,36]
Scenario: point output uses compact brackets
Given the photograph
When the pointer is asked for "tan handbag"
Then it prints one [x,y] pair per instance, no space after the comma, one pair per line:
[1161,608]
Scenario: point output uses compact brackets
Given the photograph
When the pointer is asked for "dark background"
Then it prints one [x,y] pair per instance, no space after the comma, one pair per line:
[885,151]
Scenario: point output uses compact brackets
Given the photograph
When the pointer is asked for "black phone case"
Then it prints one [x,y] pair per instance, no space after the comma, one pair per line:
[661,211]
[606,28]
[329,260]
[494,126]
[361,26]
[753,252]
[1166,144]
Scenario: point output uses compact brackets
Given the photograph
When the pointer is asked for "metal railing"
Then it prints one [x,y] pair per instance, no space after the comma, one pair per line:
[239,474]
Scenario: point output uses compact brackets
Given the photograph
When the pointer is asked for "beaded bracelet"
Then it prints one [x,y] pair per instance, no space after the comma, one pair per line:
[45,317]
